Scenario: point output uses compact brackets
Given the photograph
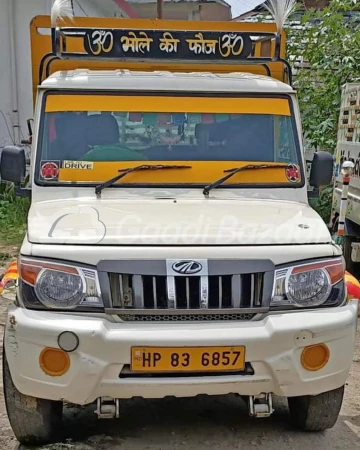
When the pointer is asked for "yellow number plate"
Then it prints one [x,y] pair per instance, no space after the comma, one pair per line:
[187,359]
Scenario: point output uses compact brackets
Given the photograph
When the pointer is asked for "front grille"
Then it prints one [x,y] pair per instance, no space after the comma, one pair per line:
[185,317]
[153,292]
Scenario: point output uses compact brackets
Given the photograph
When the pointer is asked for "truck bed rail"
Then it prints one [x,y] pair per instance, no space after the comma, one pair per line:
[148,45]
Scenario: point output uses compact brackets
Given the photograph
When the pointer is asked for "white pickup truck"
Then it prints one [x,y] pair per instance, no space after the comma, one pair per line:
[348,149]
[171,249]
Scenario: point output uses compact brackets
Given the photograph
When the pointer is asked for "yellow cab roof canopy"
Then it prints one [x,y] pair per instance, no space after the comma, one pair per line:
[148,45]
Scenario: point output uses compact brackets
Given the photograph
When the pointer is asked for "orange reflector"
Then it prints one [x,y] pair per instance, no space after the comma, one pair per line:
[29,270]
[54,362]
[334,268]
[315,357]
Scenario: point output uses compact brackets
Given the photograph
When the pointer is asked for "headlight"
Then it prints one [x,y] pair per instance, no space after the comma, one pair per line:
[59,286]
[309,285]
[65,290]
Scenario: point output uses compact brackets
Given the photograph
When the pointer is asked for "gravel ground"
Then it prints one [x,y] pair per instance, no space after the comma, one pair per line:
[202,423]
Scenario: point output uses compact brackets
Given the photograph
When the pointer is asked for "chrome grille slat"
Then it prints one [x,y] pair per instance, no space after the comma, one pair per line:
[187,292]
[220,292]
[121,289]
[252,292]
[155,292]
[204,292]
[236,291]
[257,290]
[138,291]
[171,292]
[115,287]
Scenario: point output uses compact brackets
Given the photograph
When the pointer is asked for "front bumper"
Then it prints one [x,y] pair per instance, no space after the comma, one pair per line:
[273,347]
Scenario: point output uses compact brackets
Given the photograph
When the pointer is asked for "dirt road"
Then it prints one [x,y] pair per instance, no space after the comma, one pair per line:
[202,423]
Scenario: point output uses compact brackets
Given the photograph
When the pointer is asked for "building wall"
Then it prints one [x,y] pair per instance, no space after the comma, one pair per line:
[214,11]
[184,11]
[5,72]
[20,80]
[177,11]
[316,4]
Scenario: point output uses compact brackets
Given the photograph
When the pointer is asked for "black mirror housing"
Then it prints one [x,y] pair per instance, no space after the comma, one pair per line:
[13,164]
[322,169]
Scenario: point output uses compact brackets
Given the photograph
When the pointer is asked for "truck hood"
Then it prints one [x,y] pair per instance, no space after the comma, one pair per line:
[175,222]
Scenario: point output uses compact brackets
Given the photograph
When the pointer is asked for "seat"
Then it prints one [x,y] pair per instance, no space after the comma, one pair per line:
[102,129]
[103,138]
[70,142]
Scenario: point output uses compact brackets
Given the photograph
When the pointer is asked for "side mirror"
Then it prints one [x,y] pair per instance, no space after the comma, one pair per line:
[13,164]
[322,169]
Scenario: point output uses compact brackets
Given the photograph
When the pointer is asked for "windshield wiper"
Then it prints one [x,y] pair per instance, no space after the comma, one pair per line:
[124,172]
[236,170]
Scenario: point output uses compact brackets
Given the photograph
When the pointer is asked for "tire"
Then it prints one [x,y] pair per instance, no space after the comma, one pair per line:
[316,413]
[34,421]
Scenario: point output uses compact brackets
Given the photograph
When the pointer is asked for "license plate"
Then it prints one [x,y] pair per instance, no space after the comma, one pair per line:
[187,359]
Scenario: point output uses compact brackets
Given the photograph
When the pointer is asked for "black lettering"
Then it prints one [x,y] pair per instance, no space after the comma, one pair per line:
[237,356]
[156,358]
[174,359]
[216,359]
[186,361]
[226,359]
[146,359]
[205,359]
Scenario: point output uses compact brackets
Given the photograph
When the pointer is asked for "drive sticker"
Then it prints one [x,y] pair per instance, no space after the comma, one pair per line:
[293,173]
[77,165]
[49,170]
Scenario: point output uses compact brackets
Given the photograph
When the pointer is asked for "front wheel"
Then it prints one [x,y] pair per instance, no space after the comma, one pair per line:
[33,420]
[318,412]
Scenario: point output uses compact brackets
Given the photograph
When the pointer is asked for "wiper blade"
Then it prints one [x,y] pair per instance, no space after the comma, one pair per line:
[235,170]
[124,172]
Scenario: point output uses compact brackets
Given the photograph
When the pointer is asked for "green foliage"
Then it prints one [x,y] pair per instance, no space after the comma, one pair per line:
[323,205]
[13,213]
[329,45]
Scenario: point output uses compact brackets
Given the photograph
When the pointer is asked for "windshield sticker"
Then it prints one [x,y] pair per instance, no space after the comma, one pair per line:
[206,107]
[49,170]
[293,173]
[77,165]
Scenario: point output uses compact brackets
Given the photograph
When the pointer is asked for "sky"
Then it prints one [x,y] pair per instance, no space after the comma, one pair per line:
[242,6]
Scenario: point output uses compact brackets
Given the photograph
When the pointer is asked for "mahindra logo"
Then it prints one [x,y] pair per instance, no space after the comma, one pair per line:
[187,267]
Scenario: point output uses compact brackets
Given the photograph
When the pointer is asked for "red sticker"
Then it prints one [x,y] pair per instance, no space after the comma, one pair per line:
[49,170]
[293,173]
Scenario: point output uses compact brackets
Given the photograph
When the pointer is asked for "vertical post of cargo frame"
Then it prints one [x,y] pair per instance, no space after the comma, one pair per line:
[159,5]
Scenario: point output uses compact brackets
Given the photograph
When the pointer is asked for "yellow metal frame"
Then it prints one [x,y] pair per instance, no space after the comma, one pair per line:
[40,30]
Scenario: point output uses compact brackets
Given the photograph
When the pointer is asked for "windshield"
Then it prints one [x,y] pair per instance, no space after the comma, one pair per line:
[89,138]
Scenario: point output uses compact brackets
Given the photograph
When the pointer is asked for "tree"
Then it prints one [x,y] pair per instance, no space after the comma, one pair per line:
[326,48]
